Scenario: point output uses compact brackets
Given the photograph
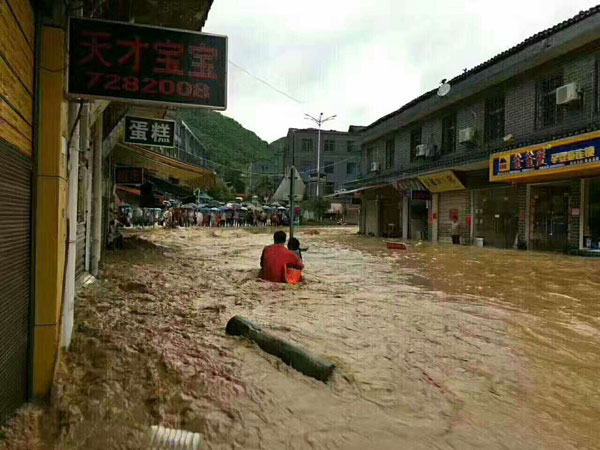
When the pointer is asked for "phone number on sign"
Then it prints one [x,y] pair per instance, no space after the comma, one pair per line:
[148,86]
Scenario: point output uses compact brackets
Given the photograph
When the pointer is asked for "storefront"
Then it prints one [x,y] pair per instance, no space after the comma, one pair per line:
[496,216]
[414,209]
[453,201]
[591,214]
[563,191]
[419,207]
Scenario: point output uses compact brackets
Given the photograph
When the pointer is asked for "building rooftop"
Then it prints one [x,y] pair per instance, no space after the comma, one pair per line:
[538,37]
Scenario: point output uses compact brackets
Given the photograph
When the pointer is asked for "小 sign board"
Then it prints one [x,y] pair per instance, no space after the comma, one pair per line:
[441,181]
[145,64]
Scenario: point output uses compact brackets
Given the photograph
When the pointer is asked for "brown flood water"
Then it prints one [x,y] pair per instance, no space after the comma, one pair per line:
[437,347]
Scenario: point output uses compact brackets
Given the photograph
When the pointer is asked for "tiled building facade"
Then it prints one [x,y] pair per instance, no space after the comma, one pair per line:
[339,161]
[507,105]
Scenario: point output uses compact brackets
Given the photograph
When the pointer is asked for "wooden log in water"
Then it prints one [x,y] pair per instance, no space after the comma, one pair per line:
[289,353]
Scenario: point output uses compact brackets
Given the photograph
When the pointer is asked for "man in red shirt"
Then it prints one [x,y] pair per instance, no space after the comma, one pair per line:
[275,258]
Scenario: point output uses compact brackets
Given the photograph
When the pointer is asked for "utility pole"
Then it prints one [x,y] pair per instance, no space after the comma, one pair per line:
[319,121]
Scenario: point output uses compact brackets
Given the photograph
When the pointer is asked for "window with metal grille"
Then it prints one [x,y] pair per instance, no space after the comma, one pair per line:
[597,85]
[390,152]
[307,145]
[494,118]
[328,145]
[370,155]
[449,134]
[548,112]
[415,141]
[328,167]
[351,168]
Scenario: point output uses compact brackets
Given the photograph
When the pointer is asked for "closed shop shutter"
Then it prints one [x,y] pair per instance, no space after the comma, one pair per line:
[80,252]
[458,200]
[16,130]
[15,252]
[371,217]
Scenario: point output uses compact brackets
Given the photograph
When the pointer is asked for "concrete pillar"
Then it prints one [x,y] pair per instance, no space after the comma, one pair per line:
[435,201]
[405,215]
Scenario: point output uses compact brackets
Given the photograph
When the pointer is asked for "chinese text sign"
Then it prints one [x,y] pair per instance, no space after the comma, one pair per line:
[144,131]
[146,64]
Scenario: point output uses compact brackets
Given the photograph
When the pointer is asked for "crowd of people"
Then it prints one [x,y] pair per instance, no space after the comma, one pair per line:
[192,215]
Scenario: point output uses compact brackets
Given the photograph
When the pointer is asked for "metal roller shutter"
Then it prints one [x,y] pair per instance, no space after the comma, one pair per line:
[453,200]
[80,252]
[371,217]
[15,276]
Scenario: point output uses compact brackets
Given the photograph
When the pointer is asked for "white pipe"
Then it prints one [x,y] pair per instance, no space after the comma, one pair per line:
[97,199]
[69,288]
[88,212]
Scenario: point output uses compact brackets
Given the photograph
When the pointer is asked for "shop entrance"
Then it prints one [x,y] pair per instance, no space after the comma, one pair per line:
[549,217]
[591,224]
[418,219]
[496,216]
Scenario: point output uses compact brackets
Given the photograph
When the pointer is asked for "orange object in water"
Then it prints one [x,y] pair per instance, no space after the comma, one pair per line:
[293,276]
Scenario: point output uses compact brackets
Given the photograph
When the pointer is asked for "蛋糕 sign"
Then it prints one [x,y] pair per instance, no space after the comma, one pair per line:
[145,131]
[143,64]
[571,154]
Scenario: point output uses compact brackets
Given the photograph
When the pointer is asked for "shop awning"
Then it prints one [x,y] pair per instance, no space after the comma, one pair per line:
[360,189]
[409,184]
[129,190]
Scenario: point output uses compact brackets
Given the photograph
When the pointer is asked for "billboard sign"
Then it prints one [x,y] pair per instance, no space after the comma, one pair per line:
[147,65]
[558,157]
[152,132]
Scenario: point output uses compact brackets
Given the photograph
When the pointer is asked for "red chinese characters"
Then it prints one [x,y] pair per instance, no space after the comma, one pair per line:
[169,58]
[96,47]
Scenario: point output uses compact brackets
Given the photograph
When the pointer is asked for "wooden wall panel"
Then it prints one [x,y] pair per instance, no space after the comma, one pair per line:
[14,129]
[14,47]
[15,93]
[24,13]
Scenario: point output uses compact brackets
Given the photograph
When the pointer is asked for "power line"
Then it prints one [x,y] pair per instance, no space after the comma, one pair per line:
[266,83]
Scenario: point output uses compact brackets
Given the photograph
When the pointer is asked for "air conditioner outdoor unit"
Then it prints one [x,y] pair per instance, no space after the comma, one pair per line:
[422,150]
[466,135]
[567,94]
[374,166]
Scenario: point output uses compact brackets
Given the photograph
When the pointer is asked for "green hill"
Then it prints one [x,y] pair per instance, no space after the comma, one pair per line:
[228,144]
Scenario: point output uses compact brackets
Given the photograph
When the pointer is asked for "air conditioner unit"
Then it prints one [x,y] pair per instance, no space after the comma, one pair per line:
[567,94]
[422,150]
[374,166]
[466,135]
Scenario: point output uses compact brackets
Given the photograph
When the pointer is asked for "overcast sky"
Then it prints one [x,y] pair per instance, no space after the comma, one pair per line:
[361,59]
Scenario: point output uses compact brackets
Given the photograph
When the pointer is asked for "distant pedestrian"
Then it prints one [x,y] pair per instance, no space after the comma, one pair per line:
[455,228]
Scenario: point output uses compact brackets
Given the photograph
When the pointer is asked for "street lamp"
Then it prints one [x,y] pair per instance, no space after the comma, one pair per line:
[319,121]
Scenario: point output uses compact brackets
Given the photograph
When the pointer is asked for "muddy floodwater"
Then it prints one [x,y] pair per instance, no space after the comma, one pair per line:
[436,347]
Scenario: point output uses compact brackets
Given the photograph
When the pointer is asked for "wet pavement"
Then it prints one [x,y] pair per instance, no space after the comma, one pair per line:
[436,347]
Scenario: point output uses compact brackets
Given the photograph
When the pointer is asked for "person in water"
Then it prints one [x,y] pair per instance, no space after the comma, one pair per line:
[276,258]
[294,247]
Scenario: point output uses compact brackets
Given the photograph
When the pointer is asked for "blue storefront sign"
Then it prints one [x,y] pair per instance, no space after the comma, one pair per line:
[566,155]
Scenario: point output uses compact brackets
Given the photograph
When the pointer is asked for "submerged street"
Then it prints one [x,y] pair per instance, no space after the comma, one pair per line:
[436,347]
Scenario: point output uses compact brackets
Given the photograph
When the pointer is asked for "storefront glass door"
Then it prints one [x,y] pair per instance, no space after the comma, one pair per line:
[549,217]
[496,216]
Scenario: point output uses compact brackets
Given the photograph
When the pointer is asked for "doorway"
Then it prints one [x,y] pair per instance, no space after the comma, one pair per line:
[549,217]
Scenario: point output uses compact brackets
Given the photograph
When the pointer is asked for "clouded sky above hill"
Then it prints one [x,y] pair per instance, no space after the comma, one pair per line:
[360,59]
